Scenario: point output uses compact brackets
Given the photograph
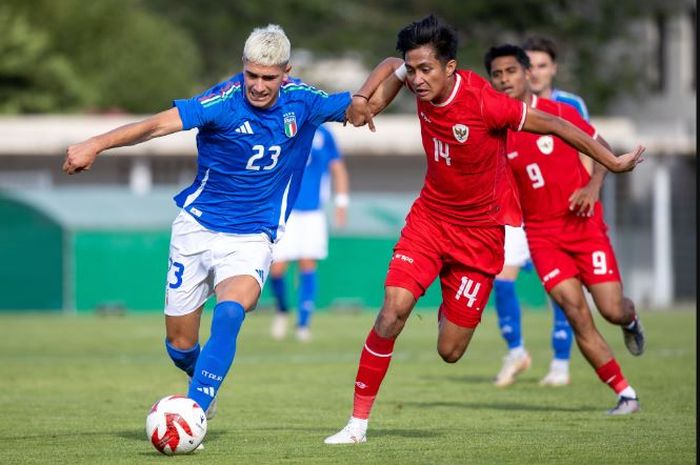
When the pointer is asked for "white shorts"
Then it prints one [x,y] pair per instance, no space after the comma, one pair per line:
[516,250]
[305,236]
[201,258]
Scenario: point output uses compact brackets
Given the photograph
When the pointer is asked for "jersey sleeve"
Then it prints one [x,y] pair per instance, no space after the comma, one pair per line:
[570,114]
[206,108]
[501,111]
[328,107]
[572,99]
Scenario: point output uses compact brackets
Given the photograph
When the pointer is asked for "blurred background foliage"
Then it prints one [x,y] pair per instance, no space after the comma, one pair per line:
[137,55]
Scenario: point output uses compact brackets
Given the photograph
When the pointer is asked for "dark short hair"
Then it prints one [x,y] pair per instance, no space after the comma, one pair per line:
[429,31]
[541,44]
[506,50]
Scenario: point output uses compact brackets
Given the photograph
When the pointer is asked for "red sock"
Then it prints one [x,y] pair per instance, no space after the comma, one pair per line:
[610,374]
[374,362]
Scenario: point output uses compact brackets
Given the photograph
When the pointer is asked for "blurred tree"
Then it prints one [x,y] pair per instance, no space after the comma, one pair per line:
[583,30]
[122,57]
[136,55]
[32,79]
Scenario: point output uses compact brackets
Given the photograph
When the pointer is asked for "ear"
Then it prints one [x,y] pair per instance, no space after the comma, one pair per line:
[287,70]
[554,69]
[450,67]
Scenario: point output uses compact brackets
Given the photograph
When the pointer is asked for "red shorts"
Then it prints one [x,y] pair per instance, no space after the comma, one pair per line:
[466,259]
[573,247]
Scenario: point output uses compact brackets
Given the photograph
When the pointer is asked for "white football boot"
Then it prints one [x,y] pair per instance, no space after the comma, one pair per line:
[513,365]
[625,406]
[304,334]
[279,326]
[558,374]
[354,432]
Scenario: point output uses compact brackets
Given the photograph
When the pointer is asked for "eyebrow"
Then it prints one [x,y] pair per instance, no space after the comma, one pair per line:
[264,76]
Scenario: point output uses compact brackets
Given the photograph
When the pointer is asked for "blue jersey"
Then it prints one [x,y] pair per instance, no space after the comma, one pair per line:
[250,161]
[572,99]
[323,152]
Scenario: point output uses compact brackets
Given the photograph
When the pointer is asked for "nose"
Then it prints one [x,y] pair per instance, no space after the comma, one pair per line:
[258,86]
[418,79]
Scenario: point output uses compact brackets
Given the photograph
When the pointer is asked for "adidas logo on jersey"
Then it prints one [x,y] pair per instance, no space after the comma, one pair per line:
[245,128]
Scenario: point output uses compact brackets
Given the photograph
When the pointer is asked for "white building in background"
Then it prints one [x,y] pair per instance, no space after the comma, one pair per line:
[663,234]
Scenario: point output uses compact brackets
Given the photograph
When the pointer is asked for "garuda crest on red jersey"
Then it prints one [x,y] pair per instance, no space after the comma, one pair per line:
[545,144]
[461,133]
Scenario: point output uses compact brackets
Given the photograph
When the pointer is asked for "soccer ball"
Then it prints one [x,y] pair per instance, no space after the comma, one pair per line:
[176,425]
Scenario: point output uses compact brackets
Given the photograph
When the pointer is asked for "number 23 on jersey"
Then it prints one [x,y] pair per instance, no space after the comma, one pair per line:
[263,159]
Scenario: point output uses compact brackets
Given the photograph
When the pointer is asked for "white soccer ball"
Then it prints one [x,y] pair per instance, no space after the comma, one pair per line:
[176,425]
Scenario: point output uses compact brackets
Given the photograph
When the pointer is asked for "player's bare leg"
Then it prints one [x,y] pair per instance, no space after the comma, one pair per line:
[374,362]
[453,340]
[281,319]
[182,331]
[508,309]
[569,295]
[619,310]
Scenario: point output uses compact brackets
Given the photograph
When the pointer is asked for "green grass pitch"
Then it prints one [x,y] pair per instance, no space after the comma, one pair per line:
[76,389]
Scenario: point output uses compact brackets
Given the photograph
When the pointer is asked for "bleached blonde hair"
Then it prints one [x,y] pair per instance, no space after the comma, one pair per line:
[267,46]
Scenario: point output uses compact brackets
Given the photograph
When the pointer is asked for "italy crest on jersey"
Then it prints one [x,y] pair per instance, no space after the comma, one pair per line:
[461,133]
[290,124]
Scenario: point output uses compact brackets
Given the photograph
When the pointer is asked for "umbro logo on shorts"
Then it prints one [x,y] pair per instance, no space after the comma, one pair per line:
[245,128]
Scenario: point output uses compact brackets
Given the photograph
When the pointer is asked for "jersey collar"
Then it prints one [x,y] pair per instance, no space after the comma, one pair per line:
[452,95]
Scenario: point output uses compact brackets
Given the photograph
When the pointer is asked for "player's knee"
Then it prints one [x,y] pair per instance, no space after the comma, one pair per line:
[181,341]
[389,323]
[393,315]
[617,310]
[450,354]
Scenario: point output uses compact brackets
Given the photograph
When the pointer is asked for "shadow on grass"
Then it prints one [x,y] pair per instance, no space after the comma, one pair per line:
[502,406]
[405,433]
[140,435]
[475,379]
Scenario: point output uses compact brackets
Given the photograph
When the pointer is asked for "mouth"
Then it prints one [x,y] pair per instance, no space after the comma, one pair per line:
[257,97]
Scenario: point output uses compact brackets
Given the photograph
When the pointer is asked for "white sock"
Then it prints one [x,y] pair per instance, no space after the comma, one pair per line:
[359,423]
[628,392]
[559,365]
[517,352]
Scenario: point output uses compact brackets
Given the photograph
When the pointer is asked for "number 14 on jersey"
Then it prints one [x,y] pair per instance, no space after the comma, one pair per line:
[442,150]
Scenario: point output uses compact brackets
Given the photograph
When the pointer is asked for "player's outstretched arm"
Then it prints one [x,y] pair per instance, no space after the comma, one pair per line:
[81,156]
[543,123]
[378,91]
[583,200]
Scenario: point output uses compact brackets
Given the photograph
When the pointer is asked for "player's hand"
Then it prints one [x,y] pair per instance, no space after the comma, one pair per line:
[583,200]
[359,113]
[80,157]
[629,161]
[341,216]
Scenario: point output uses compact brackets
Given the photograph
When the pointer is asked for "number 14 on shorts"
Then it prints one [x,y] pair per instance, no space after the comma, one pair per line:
[469,290]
